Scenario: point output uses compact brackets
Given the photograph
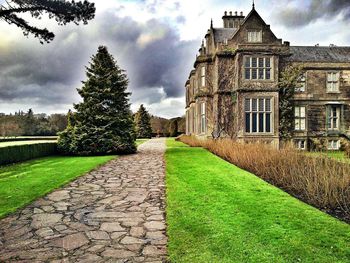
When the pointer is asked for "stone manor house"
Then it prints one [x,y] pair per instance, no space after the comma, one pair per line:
[233,88]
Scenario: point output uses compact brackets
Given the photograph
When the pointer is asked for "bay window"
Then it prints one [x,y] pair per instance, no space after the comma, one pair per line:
[258,115]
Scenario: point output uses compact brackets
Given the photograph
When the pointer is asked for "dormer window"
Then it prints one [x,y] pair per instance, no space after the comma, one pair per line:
[254,36]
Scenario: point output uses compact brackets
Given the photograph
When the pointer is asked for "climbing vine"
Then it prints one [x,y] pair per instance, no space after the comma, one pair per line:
[289,80]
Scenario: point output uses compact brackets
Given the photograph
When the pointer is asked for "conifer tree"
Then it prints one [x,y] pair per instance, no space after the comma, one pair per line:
[143,123]
[103,120]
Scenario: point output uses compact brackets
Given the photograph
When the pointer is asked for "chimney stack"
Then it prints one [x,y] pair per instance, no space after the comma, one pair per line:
[241,13]
[236,13]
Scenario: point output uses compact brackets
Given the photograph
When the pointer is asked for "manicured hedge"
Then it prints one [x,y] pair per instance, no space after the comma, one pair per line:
[18,153]
[28,138]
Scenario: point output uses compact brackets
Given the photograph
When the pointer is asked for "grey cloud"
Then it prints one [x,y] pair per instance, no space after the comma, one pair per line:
[301,16]
[49,74]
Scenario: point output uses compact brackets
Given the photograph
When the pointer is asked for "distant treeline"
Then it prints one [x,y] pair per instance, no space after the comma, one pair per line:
[168,127]
[30,124]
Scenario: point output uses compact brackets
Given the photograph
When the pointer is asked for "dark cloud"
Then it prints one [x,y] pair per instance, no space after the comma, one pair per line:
[156,60]
[316,9]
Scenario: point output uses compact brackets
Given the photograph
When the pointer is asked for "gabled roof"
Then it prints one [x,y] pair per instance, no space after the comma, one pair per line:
[251,13]
[319,54]
[220,34]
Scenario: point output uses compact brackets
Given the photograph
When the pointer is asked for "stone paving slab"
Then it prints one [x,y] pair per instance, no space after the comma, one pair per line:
[113,214]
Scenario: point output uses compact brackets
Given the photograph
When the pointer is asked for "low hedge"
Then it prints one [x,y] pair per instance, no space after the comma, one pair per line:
[19,153]
[28,138]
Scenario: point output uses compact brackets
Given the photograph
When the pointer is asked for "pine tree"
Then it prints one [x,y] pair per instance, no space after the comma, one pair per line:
[103,121]
[143,123]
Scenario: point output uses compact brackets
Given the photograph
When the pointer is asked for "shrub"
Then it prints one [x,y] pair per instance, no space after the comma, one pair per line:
[345,146]
[18,153]
[319,181]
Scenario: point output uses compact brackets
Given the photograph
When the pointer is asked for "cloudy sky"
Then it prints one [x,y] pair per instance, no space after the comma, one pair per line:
[155,41]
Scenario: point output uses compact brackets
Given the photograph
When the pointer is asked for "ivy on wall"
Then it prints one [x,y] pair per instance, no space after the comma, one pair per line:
[288,81]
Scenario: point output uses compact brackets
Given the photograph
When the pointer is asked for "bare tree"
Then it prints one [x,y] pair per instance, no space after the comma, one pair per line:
[61,10]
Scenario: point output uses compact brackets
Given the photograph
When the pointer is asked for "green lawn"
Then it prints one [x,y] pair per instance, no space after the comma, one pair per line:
[217,212]
[22,183]
[15,143]
[338,155]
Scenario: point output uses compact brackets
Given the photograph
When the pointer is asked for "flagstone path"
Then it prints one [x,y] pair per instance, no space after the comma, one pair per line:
[113,214]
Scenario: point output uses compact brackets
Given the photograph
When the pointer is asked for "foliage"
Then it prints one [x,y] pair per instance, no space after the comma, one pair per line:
[19,153]
[173,128]
[143,123]
[103,121]
[345,146]
[62,11]
[287,83]
[318,144]
[320,181]
[30,124]
[25,182]
[217,212]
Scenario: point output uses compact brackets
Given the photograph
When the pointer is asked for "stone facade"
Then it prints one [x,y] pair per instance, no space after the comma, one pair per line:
[233,88]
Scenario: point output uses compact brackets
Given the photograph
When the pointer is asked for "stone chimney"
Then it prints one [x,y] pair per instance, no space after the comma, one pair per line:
[232,20]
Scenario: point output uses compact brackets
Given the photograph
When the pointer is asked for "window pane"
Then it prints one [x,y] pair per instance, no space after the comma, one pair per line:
[254,62]
[247,73]
[302,124]
[267,62]
[297,111]
[247,62]
[329,77]
[268,74]
[268,122]
[247,122]
[247,105]
[302,112]
[254,105]
[297,124]
[255,122]
[261,73]
[254,74]
[261,122]
[261,62]
[261,105]
[268,105]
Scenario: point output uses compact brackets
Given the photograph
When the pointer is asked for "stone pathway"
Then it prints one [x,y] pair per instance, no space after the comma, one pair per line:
[113,214]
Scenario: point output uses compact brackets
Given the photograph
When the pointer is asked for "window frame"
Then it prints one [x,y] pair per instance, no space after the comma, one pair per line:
[255,36]
[298,117]
[332,86]
[258,113]
[330,145]
[203,116]
[298,144]
[203,76]
[303,82]
[331,117]
[254,67]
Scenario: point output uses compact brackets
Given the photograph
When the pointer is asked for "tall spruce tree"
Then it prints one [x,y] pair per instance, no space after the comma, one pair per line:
[103,122]
[143,123]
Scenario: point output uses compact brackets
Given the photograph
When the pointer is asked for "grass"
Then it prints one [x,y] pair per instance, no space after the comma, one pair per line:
[16,143]
[22,183]
[141,141]
[217,212]
[337,155]
[320,181]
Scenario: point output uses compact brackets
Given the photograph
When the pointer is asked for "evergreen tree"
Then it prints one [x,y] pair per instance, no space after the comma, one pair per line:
[143,123]
[103,121]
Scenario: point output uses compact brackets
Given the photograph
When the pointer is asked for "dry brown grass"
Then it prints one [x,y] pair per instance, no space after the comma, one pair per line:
[319,181]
